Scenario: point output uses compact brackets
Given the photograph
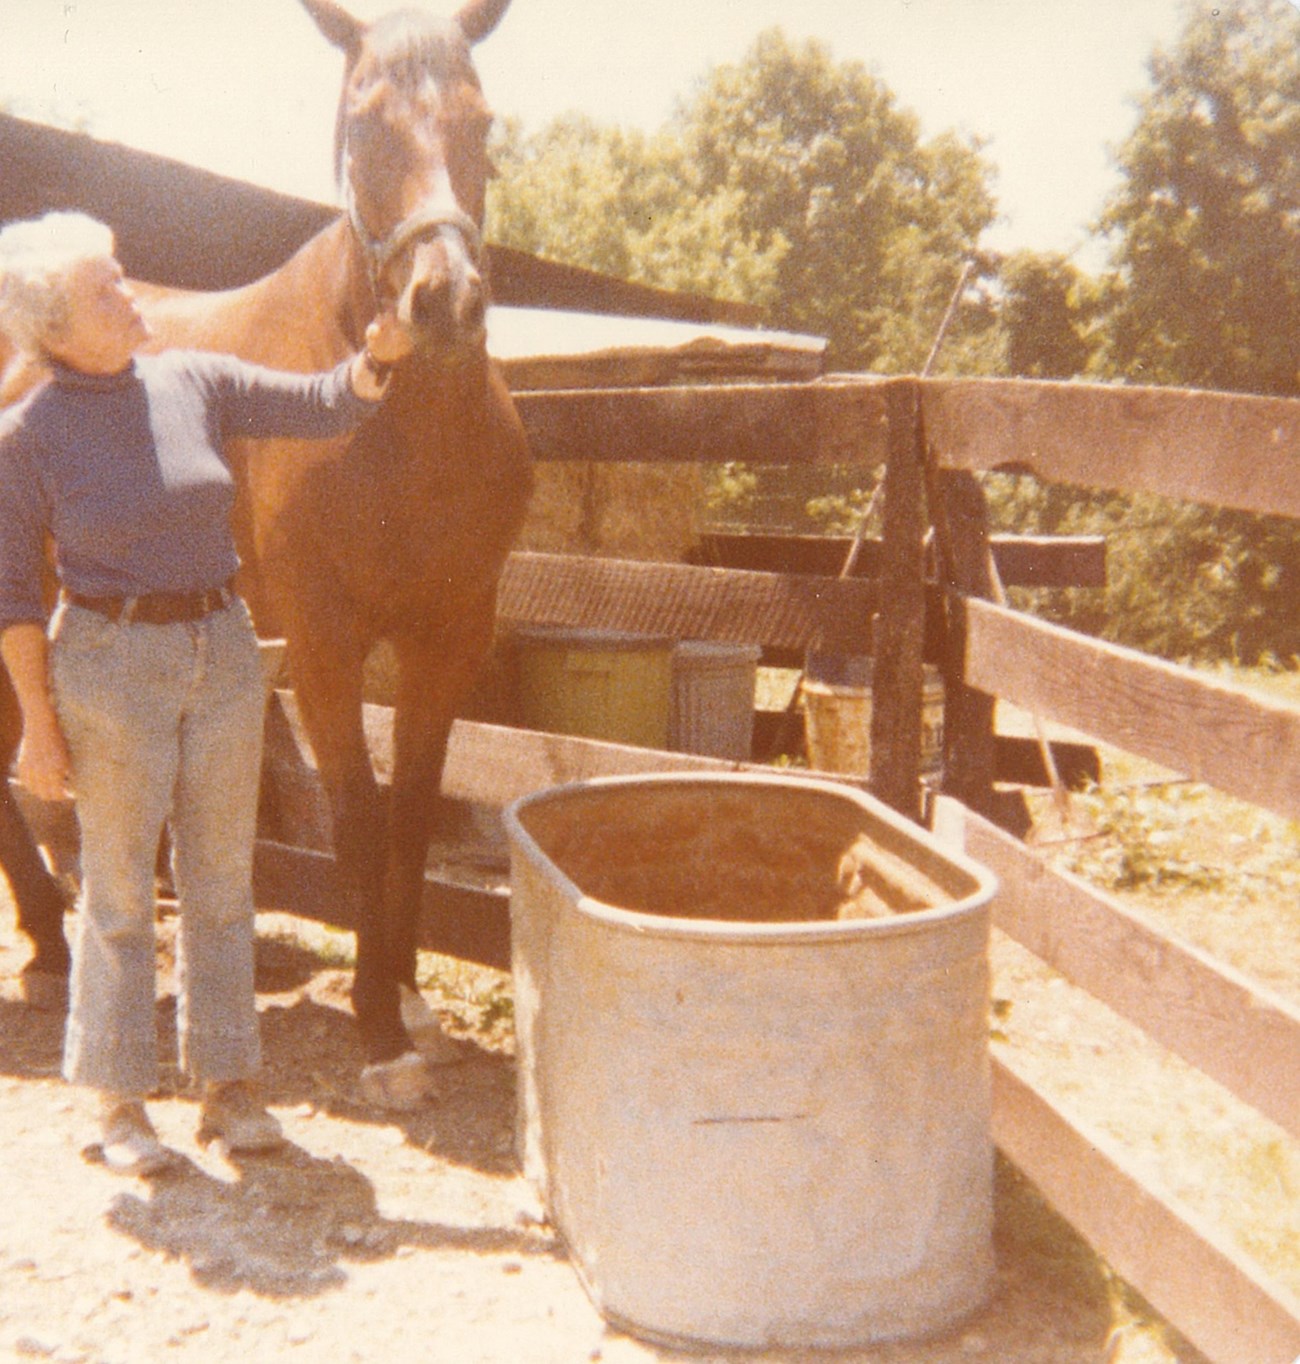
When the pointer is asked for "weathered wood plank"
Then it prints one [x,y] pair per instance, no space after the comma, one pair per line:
[961,516]
[495,764]
[1224,449]
[1201,727]
[804,423]
[459,921]
[900,624]
[1022,560]
[1183,1266]
[1237,1032]
[685,602]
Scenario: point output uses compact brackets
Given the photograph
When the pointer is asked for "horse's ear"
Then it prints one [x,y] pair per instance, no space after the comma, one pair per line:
[477,18]
[338,26]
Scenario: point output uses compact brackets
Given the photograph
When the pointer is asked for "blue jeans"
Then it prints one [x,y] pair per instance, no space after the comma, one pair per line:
[162,721]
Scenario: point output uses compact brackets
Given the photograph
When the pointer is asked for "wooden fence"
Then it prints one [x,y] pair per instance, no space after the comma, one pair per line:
[932,436]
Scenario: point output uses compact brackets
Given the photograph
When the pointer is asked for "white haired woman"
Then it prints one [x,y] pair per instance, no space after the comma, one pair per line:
[147,700]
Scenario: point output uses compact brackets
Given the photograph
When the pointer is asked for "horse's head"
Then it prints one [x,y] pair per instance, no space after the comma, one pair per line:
[411,147]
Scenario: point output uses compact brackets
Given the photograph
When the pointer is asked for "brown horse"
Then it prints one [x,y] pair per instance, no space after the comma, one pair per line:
[399,533]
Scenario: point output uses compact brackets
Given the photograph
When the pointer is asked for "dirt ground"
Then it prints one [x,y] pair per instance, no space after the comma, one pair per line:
[382,1237]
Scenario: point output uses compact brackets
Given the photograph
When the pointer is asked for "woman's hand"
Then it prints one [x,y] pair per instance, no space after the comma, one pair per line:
[387,342]
[43,765]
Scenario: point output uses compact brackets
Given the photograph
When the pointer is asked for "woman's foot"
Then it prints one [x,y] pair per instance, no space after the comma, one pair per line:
[234,1115]
[129,1145]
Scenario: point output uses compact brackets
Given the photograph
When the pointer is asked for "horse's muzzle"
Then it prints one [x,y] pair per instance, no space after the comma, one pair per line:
[446,312]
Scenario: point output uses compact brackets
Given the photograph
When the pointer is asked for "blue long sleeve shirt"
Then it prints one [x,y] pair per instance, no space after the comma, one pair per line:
[126,472]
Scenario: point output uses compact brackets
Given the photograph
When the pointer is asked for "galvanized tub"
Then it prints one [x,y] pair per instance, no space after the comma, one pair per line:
[752,1032]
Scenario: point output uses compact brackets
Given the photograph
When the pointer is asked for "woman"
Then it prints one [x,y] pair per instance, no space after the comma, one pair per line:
[147,703]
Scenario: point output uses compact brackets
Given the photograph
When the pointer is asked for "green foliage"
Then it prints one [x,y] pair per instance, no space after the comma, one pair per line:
[1183,581]
[789,181]
[1047,313]
[621,203]
[1137,846]
[1207,223]
[1206,240]
[876,222]
[730,491]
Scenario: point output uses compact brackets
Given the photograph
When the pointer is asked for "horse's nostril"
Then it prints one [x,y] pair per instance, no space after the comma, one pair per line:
[475,312]
[431,307]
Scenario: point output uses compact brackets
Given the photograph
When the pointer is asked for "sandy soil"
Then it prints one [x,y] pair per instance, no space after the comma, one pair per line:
[375,1237]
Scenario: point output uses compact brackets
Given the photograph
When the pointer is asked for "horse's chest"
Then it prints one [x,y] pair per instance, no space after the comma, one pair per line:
[387,523]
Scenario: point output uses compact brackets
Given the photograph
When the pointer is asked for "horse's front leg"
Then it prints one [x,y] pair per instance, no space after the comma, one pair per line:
[326,665]
[435,674]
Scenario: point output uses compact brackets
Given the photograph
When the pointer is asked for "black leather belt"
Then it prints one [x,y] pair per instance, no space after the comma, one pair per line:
[158,608]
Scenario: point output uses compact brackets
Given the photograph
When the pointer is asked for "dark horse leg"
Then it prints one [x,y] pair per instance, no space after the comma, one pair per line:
[327,675]
[39,900]
[435,671]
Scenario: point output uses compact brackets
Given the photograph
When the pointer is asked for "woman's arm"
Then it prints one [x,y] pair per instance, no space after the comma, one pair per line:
[43,764]
[257,402]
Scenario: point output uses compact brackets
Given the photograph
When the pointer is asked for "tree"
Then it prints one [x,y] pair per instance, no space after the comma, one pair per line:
[1207,222]
[790,181]
[620,202]
[877,223]
[1206,293]
[1048,307]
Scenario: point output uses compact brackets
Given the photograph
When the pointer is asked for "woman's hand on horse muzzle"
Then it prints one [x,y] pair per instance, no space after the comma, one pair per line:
[387,342]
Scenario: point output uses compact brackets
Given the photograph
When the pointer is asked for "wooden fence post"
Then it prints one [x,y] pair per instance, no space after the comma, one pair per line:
[970,745]
[900,627]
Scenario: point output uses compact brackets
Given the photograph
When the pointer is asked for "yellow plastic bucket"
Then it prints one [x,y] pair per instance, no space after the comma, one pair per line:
[598,684]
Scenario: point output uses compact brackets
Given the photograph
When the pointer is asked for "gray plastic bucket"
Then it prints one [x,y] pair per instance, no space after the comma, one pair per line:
[752,1039]
[712,710]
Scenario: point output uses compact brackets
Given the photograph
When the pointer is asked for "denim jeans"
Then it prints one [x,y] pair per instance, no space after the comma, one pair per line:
[162,722]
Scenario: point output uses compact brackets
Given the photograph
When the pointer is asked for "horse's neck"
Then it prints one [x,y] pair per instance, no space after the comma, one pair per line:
[305,315]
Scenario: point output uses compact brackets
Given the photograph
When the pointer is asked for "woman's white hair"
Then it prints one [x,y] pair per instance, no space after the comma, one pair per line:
[36,257]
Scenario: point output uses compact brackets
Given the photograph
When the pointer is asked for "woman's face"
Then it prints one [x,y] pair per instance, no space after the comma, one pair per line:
[104,327]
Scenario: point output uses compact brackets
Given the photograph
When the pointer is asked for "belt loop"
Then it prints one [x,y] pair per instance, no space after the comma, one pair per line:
[127,611]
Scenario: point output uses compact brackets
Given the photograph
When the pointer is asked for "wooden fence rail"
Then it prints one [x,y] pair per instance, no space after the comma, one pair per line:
[1227,450]
[1233,1030]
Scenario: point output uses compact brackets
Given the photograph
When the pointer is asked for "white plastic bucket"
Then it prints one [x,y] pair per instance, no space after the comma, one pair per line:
[754,1122]
[712,709]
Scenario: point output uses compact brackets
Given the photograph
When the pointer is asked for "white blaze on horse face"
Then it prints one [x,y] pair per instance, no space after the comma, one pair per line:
[437,280]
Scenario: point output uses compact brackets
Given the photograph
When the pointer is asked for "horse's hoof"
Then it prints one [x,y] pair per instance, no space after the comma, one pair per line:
[426,1032]
[400,1084]
[45,990]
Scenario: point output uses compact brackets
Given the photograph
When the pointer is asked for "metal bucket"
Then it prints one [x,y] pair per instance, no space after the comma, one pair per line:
[837,716]
[752,1044]
[713,699]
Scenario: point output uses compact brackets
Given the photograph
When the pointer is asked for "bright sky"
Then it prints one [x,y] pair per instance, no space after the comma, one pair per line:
[248,87]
